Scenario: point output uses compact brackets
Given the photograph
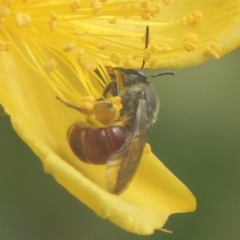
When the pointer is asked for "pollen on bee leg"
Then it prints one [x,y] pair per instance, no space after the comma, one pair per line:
[116,100]
[88,102]
[50,65]
[105,112]
[214,50]
[147,149]
[117,106]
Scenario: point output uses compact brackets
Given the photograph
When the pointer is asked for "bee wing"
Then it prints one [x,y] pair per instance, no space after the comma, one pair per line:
[123,164]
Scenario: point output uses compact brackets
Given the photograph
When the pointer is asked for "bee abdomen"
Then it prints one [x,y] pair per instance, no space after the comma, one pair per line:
[95,145]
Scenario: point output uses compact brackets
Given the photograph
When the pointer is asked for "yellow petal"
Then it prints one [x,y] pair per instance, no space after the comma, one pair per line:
[114,31]
[42,122]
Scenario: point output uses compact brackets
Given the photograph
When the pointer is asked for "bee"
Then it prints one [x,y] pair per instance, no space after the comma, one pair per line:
[120,147]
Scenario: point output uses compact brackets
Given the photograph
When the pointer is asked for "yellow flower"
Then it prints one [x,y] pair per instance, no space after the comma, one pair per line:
[51,48]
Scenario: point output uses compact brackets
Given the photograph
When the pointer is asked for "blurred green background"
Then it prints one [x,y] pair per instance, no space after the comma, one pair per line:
[197,137]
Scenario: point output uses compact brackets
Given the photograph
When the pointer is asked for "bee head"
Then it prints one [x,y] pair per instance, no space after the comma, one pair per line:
[132,77]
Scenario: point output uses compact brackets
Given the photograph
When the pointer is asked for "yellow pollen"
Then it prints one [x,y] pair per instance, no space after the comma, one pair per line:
[53,21]
[145,4]
[152,62]
[103,45]
[167,2]
[191,37]
[190,41]
[4,11]
[103,1]
[5,46]
[134,6]
[69,47]
[105,112]
[116,57]
[145,16]
[88,102]
[126,7]
[115,114]
[22,19]
[128,63]
[96,7]
[155,10]
[75,6]
[53,16]
[117,103]
[189,46]
[87,65]
[194,17]
[197,16]
[188,19]
[50,65]
[164,47]
[112,20]
[214,50]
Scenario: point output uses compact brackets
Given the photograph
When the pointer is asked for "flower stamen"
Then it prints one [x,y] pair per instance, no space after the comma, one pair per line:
[22,19]
[194,17]
[214,50]
[190,41]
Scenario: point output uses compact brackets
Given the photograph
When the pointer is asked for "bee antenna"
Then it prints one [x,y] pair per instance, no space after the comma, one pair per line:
[146,44]
[162,74]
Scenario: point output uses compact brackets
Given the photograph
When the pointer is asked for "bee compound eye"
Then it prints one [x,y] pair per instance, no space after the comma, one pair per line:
[95,145]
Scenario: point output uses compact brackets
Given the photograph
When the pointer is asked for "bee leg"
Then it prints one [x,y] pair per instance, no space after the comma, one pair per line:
[72,105]
[106,112]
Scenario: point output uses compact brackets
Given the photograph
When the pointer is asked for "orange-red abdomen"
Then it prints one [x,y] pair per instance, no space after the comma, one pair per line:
[95,145]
